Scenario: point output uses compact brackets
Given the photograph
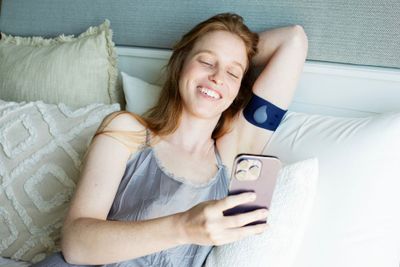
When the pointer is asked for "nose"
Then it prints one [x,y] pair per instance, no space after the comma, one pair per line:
[216,77]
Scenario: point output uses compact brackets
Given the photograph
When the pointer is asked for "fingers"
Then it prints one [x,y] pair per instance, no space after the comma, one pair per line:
[205,223]
[235,234]
[235,200]
[242,232]
[244,218]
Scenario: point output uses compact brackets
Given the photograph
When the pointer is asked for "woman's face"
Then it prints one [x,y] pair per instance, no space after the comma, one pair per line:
[212,73]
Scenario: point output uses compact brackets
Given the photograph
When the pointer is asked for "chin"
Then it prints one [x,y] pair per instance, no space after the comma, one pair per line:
[207,113]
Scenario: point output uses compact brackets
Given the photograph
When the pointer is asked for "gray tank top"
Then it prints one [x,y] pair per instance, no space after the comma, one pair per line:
[148,191]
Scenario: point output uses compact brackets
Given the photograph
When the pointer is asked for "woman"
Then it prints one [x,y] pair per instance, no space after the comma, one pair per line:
[153,189]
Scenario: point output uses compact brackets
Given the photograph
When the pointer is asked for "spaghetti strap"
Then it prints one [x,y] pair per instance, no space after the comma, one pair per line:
[222,167]
[219,160]
[147,141]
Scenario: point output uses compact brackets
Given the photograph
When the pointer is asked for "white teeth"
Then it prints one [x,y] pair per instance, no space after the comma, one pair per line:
[209,93]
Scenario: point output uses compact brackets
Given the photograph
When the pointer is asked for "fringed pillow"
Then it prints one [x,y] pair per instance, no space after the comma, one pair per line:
[74,71]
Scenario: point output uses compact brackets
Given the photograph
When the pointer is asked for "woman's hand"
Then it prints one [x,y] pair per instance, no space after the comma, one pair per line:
[205,224]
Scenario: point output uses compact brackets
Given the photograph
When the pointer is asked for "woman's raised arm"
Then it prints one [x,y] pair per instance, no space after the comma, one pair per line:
[281,53]
[281,56]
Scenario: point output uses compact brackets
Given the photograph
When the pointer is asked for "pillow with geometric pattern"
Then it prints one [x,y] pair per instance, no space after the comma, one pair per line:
[41,146]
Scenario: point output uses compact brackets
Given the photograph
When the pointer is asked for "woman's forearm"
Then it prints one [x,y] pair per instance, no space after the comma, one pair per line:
[94,241]
[279,64]
[271,40]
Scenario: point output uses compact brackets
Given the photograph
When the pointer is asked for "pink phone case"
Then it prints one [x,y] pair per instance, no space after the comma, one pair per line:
[254,173]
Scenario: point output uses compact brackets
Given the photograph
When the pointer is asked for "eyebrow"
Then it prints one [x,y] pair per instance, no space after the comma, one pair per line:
[211,52]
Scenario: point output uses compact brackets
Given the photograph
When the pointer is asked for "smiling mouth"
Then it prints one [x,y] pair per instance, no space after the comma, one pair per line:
[209,93]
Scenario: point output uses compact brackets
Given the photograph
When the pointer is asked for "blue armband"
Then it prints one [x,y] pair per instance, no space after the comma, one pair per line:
[263,114]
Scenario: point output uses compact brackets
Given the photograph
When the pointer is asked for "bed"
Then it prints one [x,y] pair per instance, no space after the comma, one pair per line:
[346,116]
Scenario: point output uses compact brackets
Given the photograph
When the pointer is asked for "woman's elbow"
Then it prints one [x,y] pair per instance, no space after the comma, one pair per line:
[69,252]
[70,249]
[299,35]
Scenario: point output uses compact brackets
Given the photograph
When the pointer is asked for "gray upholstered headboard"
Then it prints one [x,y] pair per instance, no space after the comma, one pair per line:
[359,32]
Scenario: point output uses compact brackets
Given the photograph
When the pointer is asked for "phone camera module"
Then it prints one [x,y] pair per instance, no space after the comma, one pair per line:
[248,170]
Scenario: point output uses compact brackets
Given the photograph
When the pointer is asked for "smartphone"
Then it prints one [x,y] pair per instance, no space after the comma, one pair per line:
[254,173]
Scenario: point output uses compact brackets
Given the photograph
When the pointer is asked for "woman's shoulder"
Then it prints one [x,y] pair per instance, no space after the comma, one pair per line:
[125,127]
[123,121]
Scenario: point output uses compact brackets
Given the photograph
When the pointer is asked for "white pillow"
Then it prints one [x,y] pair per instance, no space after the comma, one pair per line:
[41,146]
[356,219]
[290,208]
[139,95]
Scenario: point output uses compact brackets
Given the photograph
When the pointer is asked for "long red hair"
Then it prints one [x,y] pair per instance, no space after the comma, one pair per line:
[164,118]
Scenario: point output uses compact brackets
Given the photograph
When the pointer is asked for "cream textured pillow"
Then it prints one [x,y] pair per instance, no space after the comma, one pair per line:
[356,217]
[290,209]
[74,71]
[41,146]
[139,95]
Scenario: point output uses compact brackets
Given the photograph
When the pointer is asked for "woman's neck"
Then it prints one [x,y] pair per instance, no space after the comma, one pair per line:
[193,135]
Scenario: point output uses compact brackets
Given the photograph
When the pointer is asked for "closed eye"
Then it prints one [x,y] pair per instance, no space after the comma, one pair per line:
[233,75]
[206,63]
